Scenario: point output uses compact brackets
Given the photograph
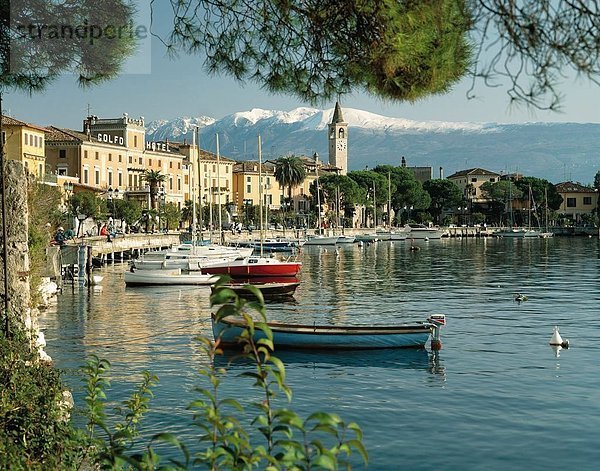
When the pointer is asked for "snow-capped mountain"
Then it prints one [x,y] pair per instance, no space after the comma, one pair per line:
[555,151]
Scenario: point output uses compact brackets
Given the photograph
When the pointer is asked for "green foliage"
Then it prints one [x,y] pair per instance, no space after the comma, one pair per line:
[408,191]
[88,203]
[129,211]
[31,56]
[154,178]
[34,431]
[316,49]
[42,203]
[170,216]
[540,188]
[444,195]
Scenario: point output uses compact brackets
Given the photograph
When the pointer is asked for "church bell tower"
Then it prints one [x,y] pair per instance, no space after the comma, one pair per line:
[338,141]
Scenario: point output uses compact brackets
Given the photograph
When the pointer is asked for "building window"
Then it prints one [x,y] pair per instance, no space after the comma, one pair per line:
[587,200]
[97,156]
[110,179]
[26,139]
[170,164]
[97,177]
[341,133]
[120,178]
[130,159]
[178,165]
[62,154]
[61,171]
[205,168]
[120,158]
[248,179]
[473,180]
[110,157]
[160,163]
[248,188]
[141,161]
[571,202]
[41,169]
[85,154]
[170,184]
[214,168]
[492,180]
[3,137]
[86,176]
[135,141]
[179,184]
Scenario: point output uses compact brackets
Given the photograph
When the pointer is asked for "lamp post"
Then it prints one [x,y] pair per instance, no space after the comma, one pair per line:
[68,187]
[162,195]
[81,218]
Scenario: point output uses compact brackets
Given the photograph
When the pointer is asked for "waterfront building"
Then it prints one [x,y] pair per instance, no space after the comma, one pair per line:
[470,181]
[577,199]
[25,143]
[112,154]
[421,174]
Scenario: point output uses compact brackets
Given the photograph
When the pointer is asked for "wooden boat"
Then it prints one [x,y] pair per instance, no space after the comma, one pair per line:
[135,277]
[269,289]
[336,337]
[246,267]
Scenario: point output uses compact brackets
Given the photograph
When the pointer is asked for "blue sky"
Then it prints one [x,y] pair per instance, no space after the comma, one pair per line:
[168,88]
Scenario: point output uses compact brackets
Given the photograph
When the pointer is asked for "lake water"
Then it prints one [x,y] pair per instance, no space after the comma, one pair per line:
[495,397]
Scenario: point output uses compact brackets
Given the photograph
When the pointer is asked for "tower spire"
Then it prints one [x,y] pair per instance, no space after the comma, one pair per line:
[337,114]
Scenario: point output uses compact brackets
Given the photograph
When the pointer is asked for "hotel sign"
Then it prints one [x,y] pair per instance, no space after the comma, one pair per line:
[158,146]
[110,139]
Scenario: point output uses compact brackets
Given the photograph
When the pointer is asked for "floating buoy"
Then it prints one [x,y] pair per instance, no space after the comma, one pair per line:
[520,297]
[557,340]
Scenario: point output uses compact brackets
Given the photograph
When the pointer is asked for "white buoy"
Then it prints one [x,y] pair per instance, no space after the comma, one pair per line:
[557,340]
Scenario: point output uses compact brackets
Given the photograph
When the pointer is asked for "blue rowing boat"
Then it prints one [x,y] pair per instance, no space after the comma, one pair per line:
[349,337]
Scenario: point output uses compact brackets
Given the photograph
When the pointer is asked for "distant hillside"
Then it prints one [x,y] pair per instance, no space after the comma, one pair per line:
[555,151]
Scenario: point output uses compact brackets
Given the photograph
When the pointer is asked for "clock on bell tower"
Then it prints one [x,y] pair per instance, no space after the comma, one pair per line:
[338,141]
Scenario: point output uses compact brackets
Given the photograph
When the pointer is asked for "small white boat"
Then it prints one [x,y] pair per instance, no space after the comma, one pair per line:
[96,280]
[421,231]
[135,277]
[321,240]
[518,232]
[346,239]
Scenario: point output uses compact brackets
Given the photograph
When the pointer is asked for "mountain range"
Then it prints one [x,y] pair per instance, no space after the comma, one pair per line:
[555,151]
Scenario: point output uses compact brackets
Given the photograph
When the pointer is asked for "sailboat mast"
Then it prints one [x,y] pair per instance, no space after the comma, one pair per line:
[389,201]
[260,195]
[193,191]
[374,205]
[318,193]
[219,191]
[199,186]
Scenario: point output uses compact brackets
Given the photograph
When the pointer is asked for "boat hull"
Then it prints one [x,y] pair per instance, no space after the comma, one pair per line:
[329,337]
[254,267]
[322,240]
[166,277]
[518,233]
[269,290]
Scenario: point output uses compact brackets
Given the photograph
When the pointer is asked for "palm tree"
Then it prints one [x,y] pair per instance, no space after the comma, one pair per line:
[289,172]
[154,178]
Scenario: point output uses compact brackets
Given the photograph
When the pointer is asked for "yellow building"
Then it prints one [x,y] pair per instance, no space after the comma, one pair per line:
[25,143]
[577,199]
[470,181]
[112,154]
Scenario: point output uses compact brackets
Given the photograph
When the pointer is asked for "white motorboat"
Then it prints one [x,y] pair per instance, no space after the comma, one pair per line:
[400,234]
[321,240]
[346,239]
[135,277]
[421,231]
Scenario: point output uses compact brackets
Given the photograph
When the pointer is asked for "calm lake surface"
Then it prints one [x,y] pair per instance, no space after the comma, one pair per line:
[495,397]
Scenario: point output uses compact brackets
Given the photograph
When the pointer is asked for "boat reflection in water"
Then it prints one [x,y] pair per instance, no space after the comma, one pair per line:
[272,288]
[409,359]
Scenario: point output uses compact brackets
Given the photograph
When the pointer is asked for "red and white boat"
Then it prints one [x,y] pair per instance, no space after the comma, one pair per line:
[245,267]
